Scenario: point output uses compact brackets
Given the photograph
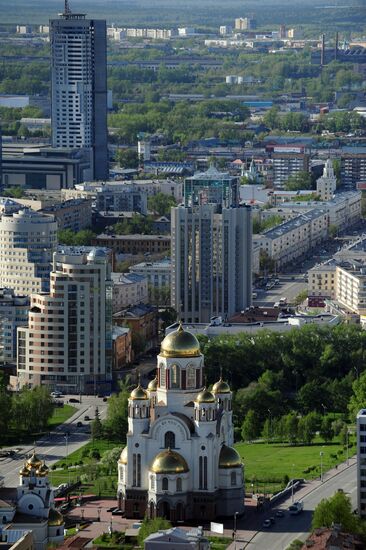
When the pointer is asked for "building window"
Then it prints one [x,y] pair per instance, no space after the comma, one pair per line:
[169,440]
[165,484]
[233,478]
[191,377]
[162,377]
[179,485]
[152,483]
[175,376]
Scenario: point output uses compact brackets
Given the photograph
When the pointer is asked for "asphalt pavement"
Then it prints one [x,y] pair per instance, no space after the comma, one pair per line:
[55,445]
[252,534]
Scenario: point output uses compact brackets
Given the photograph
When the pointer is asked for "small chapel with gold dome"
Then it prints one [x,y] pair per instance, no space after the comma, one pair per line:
[179,462]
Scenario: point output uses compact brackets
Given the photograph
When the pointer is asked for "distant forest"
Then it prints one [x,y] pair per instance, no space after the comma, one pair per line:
[343,15]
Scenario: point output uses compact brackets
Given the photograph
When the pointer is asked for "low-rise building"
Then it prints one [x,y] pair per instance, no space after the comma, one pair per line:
[75,214]
[158,273]
[13,313]
[122,350]
[177,539]
[322,284]
[134,244]
[129,289]
[142,319]
[294,238]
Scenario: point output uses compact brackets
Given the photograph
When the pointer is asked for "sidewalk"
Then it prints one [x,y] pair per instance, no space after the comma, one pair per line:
[255,519]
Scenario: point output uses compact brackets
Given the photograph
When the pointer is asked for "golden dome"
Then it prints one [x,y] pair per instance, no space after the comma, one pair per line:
[123,457]
[169,462]
[153,384]
[42,471]
[55,518]
[205,396]
[229,458]
[24,471]
[180,343]
[221,387]
[34,462]
[139,393]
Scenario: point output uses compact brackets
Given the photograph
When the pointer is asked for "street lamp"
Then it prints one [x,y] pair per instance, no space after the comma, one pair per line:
[270,425]
[99,511]
[66,436]
[347,448]
[321,465]
[292,483]
[235,516]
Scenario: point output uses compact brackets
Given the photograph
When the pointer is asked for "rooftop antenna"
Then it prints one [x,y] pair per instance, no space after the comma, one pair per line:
[67,10]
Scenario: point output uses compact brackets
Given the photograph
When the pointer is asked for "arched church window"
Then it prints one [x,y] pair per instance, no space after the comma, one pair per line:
[169,440]
[175,376]
[152,483]
[179,485]
[191,377]
[162,376]
[233,478]
[165,484]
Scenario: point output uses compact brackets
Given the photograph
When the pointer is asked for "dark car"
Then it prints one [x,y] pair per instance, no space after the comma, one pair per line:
[79,425]
[86,418]
[279,513]
[73,400]
[272,519]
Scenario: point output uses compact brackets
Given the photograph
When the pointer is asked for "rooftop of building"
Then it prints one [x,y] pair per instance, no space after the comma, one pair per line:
[165,263]
[119,331]
[294,223]
[138,237]
[127,278]
[64,205]
[138,310]
[332,538]
[211,173]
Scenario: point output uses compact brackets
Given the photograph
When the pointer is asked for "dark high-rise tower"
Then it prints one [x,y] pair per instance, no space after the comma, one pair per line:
[79,85]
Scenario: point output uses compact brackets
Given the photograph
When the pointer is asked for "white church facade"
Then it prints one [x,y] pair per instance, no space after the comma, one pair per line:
[179,462]
[30,506]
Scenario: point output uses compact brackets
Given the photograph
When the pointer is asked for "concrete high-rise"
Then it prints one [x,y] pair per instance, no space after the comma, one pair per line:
[211,261]
[27,242]
[68,342]
[79,86]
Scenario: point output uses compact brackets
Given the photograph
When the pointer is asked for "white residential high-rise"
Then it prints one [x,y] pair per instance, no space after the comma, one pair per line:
[361,463]
[326,185]
[79,86]
[211,261]
[68,342]
[27,242]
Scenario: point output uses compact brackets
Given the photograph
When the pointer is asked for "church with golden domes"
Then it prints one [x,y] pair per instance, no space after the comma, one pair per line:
[179,462]
[30,506]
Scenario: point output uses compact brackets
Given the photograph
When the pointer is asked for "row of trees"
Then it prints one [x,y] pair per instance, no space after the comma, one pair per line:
[303,370]
[27,411]
[293,429]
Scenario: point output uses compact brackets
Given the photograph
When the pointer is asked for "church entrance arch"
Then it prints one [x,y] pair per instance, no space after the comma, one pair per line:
[179,512]
[164,509]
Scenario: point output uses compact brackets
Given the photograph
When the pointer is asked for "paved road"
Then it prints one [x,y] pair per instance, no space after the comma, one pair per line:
[53,447]
[286,529]
[290,286]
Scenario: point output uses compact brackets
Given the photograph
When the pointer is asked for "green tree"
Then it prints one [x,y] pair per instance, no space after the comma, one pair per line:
[299,181]
[326,429]
[14,192]
[161,203]
[127,158]
[116,424]
[336,509]
[358,399]
[250,429]
[150,526]
[292,428]
[97,427]
[110,459]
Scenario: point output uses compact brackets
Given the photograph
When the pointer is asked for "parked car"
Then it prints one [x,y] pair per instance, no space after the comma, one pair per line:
[267,523]
[79,425]
[73,400]
[86,418]
[279,513]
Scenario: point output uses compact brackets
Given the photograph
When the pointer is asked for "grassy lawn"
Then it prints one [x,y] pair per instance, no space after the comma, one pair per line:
[116,540]
[60,415]
[219,543]
[101,445]
[271,462]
